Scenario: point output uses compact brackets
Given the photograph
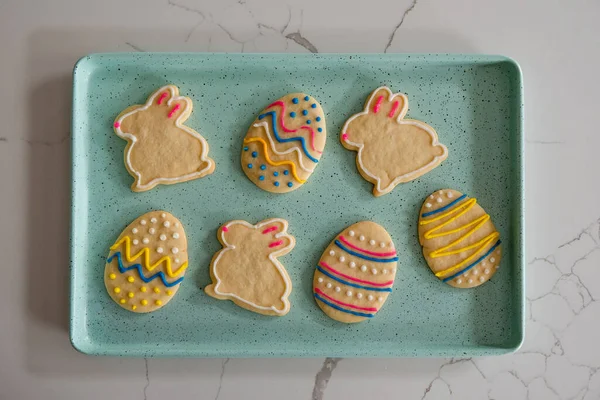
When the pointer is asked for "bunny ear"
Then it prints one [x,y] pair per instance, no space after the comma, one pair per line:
[385,102]
[179,109]
[273,226]
[163,95]
[282,244]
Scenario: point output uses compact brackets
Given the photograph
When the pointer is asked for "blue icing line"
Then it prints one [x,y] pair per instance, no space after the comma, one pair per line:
[282,140]
[447,206]
[160,274]
[364,257]
[474,264]
[335,278]
[332,305]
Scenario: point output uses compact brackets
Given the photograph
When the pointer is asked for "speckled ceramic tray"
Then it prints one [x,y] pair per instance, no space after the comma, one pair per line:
[474,103]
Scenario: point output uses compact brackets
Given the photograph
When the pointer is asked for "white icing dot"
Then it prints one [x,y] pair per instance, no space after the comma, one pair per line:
[163,237]
[466,273]
[349,293]
[459,281]
[176,224]
[385,271]
[487,271]
[363,268]
[332,253]
[361,238]
[359,295]
[328,285]
[135,241]
[337,288]
[166,224]
[342,259]
[382,244]
[497,266]
[483,263]
[176,235]
[134,230]
[475,271]
[163,215]
[470,280]
[177,260]
[450,195]
[492,259]
[380,298]
[481,279]
[352,264]
[351,233]
[174,250]
[159,250]
[320,280]
[372,242]
[431,196]
[370,297]
[145,240]
[441,192]
[374,271]
[151,231]
[439,200]
[428,205]
[143,222]
[153,220]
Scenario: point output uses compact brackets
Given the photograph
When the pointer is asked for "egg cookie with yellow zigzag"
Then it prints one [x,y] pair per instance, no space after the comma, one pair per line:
[146,264]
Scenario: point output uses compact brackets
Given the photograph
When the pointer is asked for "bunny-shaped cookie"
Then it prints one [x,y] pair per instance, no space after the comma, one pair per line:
[160,149]
[247,272]
[391,149]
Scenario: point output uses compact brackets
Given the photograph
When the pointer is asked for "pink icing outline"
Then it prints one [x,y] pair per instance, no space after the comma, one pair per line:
[288,130]
[275,244]
[271,229]
[394,109]
[161,98]
[371,253]
[324,264]
[174,110]
[345,304]
[378,104]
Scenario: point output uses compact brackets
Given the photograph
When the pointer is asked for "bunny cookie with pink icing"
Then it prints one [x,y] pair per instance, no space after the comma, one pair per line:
[247,272]
[391,149]
[160,149]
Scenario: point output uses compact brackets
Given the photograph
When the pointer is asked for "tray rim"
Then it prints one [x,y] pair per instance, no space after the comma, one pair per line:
[83,345]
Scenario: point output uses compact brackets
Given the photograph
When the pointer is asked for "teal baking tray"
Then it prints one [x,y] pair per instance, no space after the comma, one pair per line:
[473,101]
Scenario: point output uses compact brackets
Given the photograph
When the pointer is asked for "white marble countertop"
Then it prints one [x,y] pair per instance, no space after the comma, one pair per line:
[558,47]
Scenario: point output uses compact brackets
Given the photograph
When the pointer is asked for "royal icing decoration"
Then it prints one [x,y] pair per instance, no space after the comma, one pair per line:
[457,237]
[351,302]
[412,147]
[160,149]
[250,252]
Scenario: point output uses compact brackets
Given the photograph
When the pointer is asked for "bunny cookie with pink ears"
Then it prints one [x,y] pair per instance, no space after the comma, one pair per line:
[391,149]
[247,272]
[160,149]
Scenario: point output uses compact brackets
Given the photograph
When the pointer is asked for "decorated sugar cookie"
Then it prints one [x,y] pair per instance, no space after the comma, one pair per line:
[460,243]
[247,271]
[160,149]
[146,264]
[355,274]
[284,143]
[391,149]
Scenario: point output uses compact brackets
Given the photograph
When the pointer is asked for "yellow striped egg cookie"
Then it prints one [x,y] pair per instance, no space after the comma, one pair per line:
[284,143]
[146,264]
[460,243]
[356,273]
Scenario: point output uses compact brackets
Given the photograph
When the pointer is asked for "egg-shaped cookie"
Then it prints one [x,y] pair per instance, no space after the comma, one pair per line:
[146,264]
[355,274]
[460,242]
[285,143]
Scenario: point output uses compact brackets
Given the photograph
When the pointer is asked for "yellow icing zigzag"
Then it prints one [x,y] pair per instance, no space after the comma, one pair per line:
[478,223]
[145,252]
[274,163]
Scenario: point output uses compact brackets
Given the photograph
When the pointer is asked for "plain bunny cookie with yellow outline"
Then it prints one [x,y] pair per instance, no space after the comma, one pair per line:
[391,149]
[160,149]
[247,272]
